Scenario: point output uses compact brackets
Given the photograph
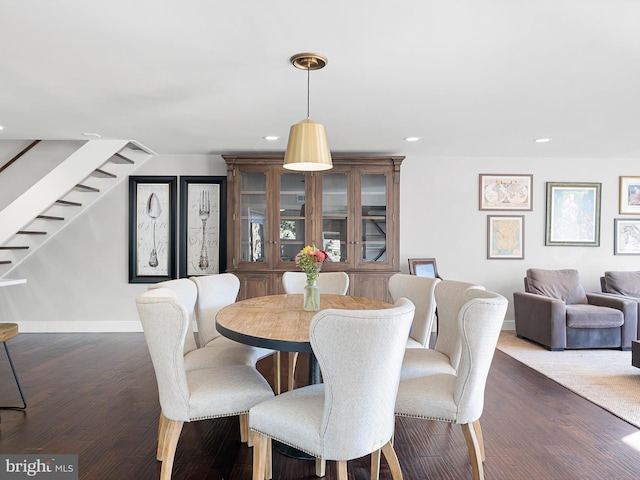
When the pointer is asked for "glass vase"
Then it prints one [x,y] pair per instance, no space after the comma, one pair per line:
[311,297]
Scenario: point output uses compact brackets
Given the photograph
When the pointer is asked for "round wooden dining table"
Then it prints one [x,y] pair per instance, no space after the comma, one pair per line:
[279,322]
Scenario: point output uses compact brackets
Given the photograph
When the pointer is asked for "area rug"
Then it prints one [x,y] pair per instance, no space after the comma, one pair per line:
[604,377]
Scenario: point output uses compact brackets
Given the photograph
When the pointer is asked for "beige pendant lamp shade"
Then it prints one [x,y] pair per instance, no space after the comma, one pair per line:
[308,148]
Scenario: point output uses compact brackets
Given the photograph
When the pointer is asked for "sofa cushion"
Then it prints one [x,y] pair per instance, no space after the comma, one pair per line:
[622,283]
[561,284]
[593,316]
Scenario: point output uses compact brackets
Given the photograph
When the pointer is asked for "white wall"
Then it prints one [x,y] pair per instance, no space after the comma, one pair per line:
[79,280]
[440,217]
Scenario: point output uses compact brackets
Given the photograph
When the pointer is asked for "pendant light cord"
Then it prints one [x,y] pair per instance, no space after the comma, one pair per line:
[308,89]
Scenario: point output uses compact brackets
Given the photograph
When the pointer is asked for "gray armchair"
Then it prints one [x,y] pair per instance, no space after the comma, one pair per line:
[555,312]
[623,283]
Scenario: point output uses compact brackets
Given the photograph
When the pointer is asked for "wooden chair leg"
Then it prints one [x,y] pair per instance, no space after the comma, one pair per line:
[162,433]
[276,373]
[321,467]
[259,456]
[269,467]
[293,359]
[169,448]
[392,459]
[342,470]
[475,456]
[375,465]
[244,428]
[476,427]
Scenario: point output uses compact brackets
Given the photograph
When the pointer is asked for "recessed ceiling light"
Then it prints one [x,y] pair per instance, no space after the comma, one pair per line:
[1,127]
[271,138]
[89,134]
[542,140]
[411,139]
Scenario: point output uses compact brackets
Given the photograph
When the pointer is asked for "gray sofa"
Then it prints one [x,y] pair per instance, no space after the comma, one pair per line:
[556,312]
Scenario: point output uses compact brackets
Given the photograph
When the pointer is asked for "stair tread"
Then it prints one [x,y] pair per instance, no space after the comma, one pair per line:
[5,262]
[103,173]
[49,217]
[31,232]
[118,158]
[87,188]
[13,247]
[67,202]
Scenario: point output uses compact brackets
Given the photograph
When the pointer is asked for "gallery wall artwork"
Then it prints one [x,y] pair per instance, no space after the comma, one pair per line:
[505,237]
[505,191]
[626,236]
[630,195]
[573,214]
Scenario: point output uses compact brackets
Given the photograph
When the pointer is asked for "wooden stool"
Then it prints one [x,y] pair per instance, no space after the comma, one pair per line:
[7,332]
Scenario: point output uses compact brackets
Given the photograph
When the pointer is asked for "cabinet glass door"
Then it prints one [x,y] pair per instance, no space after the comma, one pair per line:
[292,215]
[373,218]
[335,208]
[253,216]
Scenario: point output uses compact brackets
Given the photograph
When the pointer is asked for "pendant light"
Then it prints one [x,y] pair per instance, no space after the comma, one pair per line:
[308,149]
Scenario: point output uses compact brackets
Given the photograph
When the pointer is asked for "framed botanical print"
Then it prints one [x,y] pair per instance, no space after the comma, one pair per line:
[203,222]
[505,237]
[152,231]
[573,214]
[505,192]
[626,239]
[630,195]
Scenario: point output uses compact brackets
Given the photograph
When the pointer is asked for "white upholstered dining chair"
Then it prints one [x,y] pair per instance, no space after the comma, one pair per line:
[458,397]
[329,283]
[185,396]
[350,415]
[215,292]
[194,357]
[445,356]
[421,291]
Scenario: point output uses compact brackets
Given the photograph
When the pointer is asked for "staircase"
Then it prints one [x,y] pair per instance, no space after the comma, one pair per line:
[32,217]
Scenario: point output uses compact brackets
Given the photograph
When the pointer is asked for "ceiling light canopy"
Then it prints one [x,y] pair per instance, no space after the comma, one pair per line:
[308,148]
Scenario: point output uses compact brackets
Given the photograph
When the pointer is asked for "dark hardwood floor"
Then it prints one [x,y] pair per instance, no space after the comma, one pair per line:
[95,395]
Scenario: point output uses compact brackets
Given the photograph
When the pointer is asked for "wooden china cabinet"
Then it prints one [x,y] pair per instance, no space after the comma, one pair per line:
[350,211]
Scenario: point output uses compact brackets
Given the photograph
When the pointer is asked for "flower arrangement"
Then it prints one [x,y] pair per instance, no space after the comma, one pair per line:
[310,260]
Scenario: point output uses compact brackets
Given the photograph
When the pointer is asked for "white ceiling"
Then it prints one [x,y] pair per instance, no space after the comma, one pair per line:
[470,77]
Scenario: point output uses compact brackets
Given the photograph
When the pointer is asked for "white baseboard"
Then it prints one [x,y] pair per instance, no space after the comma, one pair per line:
[118,327]
[509,325]
[79,327]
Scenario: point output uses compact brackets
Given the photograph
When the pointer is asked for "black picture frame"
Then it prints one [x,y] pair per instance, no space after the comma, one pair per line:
[197,232]
[152,228]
